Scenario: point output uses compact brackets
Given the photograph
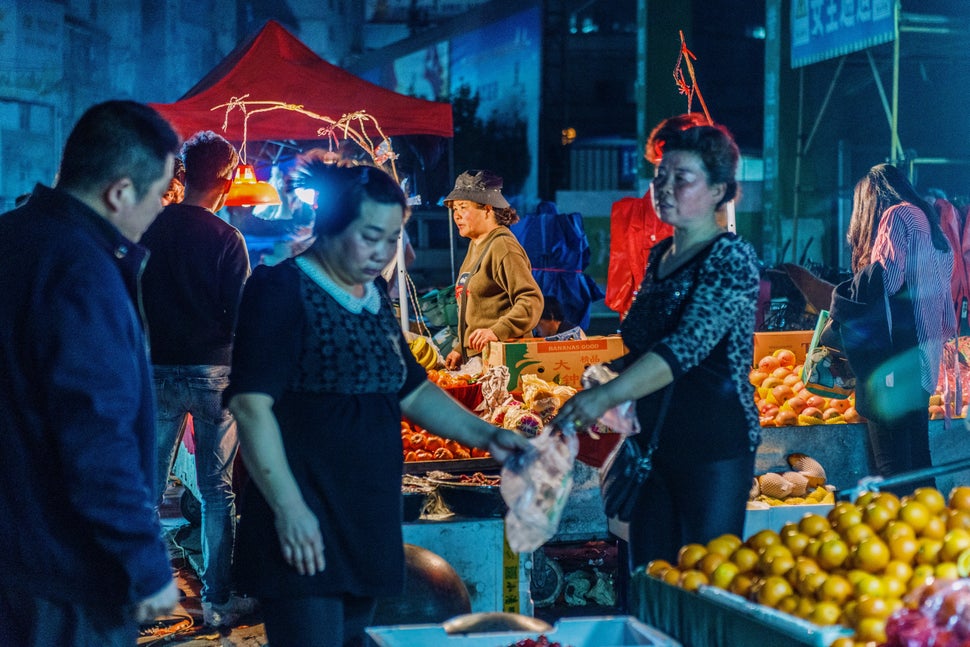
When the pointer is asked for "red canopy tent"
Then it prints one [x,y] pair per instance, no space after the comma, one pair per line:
[276,66]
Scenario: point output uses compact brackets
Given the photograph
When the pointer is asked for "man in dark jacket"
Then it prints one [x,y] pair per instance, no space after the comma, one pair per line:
[83,561]
[193,282]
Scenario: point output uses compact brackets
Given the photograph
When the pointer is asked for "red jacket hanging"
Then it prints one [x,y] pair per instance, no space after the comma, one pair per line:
[634,229]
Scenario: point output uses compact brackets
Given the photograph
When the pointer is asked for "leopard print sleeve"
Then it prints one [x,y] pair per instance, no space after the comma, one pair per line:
[723,304]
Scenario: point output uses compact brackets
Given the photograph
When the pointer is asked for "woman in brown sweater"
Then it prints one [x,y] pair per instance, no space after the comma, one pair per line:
[498,299]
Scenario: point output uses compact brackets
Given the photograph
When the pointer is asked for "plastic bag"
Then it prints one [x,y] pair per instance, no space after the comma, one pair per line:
[937,615]
[621,419]
[535,486]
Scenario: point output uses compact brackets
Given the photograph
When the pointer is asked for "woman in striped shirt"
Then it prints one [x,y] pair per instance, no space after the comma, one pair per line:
[893,226]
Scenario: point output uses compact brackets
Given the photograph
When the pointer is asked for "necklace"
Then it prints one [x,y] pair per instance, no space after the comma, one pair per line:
[370,301]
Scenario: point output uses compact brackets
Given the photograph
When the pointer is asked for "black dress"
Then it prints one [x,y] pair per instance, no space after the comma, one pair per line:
[337,379]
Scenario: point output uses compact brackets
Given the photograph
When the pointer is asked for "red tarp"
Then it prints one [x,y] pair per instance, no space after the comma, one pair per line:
[276,66]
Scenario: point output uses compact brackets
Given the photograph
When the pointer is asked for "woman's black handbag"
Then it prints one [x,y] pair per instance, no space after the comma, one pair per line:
[621,481]
[622,478]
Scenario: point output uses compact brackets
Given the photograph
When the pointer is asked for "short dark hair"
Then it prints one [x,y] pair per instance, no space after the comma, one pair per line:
[717,150]
[341,190]
[117,139]
[209,158]
[654,148]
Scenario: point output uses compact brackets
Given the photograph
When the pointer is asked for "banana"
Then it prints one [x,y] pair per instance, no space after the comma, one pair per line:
[423,352]
[428,357]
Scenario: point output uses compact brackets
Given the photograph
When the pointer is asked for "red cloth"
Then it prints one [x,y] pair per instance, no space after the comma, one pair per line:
[274,65]
[634,229]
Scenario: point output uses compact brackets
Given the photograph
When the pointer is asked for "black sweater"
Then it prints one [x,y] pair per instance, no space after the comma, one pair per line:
[192,285]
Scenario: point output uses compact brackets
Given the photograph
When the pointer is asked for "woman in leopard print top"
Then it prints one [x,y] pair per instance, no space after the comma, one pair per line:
[689,332]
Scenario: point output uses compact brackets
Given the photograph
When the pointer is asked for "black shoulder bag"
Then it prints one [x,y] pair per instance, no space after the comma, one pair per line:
[621,480]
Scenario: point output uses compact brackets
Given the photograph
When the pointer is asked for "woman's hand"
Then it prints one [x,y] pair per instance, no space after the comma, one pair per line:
[584,408]
[505,443]
[300,539]
[453,360]
[479,339]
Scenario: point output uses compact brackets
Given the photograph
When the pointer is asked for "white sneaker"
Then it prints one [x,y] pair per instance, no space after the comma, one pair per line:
[228,613]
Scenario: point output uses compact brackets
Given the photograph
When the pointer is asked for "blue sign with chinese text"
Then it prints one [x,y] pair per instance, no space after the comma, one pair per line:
[823,29]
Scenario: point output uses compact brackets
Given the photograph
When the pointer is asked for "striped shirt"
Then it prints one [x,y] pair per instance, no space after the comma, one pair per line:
[905,249]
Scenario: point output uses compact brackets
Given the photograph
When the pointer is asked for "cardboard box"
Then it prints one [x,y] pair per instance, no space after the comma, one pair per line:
[592,631]
[797,341]
[561,362]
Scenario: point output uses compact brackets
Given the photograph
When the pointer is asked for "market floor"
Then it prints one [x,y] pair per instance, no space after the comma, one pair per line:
[185,626]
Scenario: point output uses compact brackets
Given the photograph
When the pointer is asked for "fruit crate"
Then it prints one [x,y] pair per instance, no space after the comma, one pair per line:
[593,631]
[711,617]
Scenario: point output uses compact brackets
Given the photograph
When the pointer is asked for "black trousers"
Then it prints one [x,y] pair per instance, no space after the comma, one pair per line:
[690,501]
[894,403]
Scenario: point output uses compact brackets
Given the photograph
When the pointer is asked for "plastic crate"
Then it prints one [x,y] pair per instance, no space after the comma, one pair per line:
[593,631]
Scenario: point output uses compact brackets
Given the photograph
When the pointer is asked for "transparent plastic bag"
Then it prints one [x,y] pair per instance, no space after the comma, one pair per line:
[936,614]
[621,419]
[536,485]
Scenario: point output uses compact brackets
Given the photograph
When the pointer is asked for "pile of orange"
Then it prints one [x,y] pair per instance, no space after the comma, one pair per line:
[446,379]
[783,400]
[421,445]
[853,567]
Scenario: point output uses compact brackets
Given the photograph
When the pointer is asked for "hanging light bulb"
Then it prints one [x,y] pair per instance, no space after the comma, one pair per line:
[248,191]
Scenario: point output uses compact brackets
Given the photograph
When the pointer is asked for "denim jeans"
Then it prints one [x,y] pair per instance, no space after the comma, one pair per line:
[197,390]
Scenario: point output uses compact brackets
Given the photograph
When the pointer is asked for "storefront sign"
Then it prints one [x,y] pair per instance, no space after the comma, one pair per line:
[823,29]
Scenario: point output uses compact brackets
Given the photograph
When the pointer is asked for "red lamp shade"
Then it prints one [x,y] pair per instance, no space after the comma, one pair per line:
[247,191]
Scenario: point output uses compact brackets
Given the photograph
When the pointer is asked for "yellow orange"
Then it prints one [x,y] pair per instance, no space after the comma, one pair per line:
[692,580]
[657,567]
[876,516]
[871,555]
[689,555]
[903,548]
[836,588]
[772,590]
[814,525]
[959,498]
[710,562]
[915,513]
[931,498]
[724,574]
[832,554]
